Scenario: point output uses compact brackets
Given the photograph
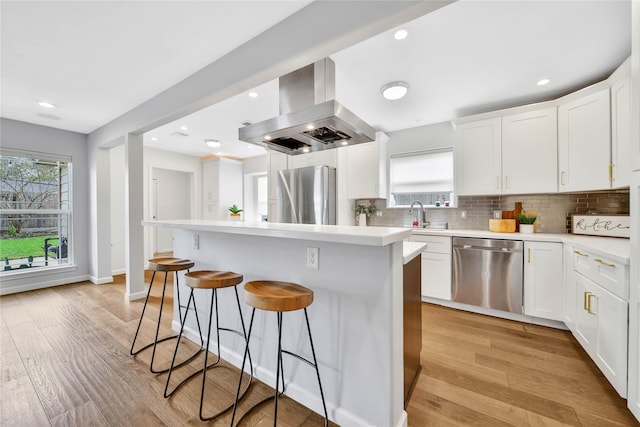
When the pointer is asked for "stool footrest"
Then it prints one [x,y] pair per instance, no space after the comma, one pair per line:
[297,356]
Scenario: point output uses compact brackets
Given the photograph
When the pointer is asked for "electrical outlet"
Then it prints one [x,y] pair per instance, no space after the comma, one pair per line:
[196,241]
[313,258]
[463,214]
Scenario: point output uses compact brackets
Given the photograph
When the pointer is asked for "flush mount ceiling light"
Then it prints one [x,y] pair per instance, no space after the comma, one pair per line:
[543,82]
[45,104]
[184,128]
[253,94]
[153,138]
[213,143]
[401,34]
[394,90]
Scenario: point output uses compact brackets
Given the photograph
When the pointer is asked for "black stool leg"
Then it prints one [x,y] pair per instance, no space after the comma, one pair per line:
[244,360]
[144,307]
[173,359]
[315,364]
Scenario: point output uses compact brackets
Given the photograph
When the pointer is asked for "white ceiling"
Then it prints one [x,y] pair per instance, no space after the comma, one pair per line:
[96,61]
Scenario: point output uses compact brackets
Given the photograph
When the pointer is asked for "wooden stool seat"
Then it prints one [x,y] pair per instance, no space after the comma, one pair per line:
[271,295]
[212,279]
[170,264]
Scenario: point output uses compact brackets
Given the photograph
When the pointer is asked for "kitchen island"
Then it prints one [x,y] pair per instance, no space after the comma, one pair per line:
[356,317]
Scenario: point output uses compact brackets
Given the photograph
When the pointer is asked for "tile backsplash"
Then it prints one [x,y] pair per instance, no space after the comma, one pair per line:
[554,210]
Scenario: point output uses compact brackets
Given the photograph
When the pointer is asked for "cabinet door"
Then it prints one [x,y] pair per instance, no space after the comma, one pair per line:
[436,275]
[210,181]
[529,152]
[584,143]
[366,170]
[543,277]
[569,289]
[477,157]
[317,158]
[585,322]
[621,133]
[277,162]
[610,352]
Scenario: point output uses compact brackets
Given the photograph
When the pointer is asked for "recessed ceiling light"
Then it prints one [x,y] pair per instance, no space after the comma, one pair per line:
[305,150]
[153,138]
[267,137]
[213,143]
[183,128]
[401,34]
[250,145]
[253,94]
[345,142]
[394,90]
[45,104]
[310,127]
[543,82]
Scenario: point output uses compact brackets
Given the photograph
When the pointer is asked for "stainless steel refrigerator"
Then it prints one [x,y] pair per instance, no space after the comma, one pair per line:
[307,195]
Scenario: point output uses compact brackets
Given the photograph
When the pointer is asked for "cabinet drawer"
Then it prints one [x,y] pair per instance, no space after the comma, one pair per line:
[609,274]
[435,244]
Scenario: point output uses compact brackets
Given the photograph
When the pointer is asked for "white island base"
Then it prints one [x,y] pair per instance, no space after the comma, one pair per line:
[356,317]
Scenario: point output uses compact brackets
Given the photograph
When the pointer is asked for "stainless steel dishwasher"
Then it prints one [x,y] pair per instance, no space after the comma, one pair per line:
[488,273]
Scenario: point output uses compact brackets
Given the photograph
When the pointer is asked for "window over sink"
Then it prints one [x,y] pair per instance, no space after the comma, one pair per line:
[426,176]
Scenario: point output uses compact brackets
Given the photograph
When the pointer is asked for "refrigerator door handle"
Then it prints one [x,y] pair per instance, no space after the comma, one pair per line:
[285,185]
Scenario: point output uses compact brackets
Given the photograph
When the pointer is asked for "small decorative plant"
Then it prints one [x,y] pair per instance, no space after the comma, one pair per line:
[526,218]
[235,210]
[367,210]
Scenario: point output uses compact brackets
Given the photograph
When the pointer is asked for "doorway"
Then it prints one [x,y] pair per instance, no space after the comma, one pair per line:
[171,199]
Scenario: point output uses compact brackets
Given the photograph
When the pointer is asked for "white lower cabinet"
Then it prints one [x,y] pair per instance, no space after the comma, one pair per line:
[601,328]
[543,277]
[436,266]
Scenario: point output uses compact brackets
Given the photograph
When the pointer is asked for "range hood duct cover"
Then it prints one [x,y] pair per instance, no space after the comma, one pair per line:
[310,118]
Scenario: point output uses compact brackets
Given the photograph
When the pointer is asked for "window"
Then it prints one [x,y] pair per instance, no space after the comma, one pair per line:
[426,176]
[35,210]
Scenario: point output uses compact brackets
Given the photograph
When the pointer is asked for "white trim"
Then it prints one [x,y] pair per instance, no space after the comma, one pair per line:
[42,285]
[18,152]
[22,273]
[135,296]
[100,280]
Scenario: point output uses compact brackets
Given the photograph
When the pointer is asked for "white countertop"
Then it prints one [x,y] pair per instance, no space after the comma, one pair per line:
[367,236]
[410,250]
[613,247]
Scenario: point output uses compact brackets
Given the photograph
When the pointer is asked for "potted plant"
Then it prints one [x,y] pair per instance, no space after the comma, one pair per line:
[363,212]
[527,221]
[235,212]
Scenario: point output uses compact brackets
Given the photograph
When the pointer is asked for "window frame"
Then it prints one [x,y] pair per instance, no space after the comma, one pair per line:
[452,197]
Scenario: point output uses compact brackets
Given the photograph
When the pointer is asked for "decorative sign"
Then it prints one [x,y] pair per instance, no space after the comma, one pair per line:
[601,225]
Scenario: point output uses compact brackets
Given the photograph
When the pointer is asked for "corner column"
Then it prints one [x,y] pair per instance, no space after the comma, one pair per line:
[134,206]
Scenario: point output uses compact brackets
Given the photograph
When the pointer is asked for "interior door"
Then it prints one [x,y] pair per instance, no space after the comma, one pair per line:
[172,200]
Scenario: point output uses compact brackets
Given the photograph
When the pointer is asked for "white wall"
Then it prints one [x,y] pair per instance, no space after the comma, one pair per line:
[26,136]
[258,164]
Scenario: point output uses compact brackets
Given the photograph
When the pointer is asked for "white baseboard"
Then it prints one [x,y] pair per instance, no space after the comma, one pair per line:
[137,296]
[100,280]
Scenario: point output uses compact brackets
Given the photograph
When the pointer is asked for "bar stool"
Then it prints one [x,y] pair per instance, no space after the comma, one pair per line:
[213,280]
[279,297]
[166,265]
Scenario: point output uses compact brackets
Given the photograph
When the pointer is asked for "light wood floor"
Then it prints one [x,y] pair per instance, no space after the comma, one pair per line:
[65,361]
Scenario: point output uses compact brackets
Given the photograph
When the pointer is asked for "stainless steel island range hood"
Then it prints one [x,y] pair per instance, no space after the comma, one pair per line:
[310,119]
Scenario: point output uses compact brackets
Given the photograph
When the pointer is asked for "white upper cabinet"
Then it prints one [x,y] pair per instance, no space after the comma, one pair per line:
[529,152]
[584,142]
[367,169]
[317,158]
[477,157]
[621,133]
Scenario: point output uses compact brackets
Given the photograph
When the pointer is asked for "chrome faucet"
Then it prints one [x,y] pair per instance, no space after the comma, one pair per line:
[419,214]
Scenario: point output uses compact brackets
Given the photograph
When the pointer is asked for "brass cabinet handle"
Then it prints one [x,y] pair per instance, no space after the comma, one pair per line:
[585,299]
[598,260]
[611,165]
[506,182]
[497,182]
[529,255]
[589,302]
[562,178]
[586,302]
[579,253]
